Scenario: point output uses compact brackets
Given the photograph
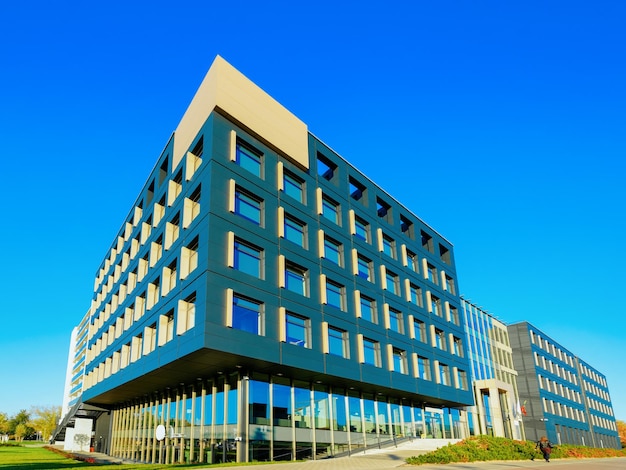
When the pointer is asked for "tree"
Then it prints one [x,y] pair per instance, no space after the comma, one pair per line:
[4,423]
[19,420]
[621,430]
[45,420]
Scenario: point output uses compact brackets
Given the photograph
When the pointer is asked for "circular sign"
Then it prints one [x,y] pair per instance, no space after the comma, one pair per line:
[160,432]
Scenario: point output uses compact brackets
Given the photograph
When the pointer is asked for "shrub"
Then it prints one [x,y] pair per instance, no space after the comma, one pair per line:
[485,448]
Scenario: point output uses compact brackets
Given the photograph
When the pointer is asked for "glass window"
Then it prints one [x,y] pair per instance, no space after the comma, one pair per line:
[362,229]
[365,268]
[295,231]
[371,352]
[395,321]
[444,254]
[333,251]
[389,246]
[338,342]
[444,374]
[435,303]
[419,328]
[249,159]
[330,210]
[416,295]
[298,330]
[335,294]
[296,279]
[458,346]
[450,285]
[293,186]
[247,206]
[368,309]
[423,368]
[281,404]
[247,315]
[440,339]
[259,402]
[412,262]
[431,273]
[392,283]
[248,259]
[399,361]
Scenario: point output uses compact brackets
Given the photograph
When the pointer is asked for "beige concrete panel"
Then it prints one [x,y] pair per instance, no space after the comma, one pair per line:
[403,255]
[386,319]
[352,221]
[390,357]
[379,232]
[230,256]
[411,319]
[319,201]
[415,365]
[232,147]
[229,308]
[229,90]
[357,303]
[282,328]
[281,271]
[323,298]
[320,244]
[355,262]
[360,350]
[325,348]
[281,222]
[280,172]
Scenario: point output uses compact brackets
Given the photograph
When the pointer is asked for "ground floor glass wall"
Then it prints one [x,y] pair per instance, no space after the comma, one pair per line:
[260,418]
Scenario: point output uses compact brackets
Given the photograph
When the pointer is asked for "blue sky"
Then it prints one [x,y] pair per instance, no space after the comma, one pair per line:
[501,124]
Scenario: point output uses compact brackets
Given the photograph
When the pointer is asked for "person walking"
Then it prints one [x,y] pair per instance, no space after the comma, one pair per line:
[545,447]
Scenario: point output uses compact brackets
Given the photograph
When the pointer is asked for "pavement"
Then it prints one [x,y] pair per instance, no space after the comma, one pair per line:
[381,459]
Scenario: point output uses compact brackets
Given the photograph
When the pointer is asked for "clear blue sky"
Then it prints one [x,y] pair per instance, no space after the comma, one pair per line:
[501,124]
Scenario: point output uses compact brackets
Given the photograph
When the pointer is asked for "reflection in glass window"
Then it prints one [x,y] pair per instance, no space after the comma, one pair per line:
[247,315]
[295,231]
[248,159]
[371,352]
[338,342]
[248,206]
[293,186]
[295,279]
[248,259]
[297,330]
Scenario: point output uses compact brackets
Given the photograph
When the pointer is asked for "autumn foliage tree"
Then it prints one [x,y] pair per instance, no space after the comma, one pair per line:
[621,430]
[45,420]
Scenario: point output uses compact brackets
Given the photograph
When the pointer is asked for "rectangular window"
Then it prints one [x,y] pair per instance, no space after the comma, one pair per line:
[325,168]
[435,304]
[191,207]
[298,330]
[333,251]
[295,231]
[444,254]
[389,246]
[166,327]
[423,368]
[392,283]
[293,186]
[368,309]
[330,210]
[419,328]
[399,361]
[427,241]
[338,342]
[450,285]
[454,315]
[357,190]
[444,374]
[440,339]
[362,229]
[186,318]
[189,258]
[247,315]
[416,295]
[335,295]
[412,261]
[396,322]
[248,259]
[371,352]
[248,159]
[296,279]
[458,346]
[365,268]
[431,273]
[248,206]
[383,209]
[407,227]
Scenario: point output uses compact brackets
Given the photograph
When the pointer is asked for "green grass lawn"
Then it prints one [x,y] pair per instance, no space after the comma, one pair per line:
[39,458]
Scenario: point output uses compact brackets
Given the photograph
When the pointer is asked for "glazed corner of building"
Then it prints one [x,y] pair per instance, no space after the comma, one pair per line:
[228,91]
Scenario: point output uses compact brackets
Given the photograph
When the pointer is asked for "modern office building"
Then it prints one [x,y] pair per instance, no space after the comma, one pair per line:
[265,300]
[564,398]
[494,380]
